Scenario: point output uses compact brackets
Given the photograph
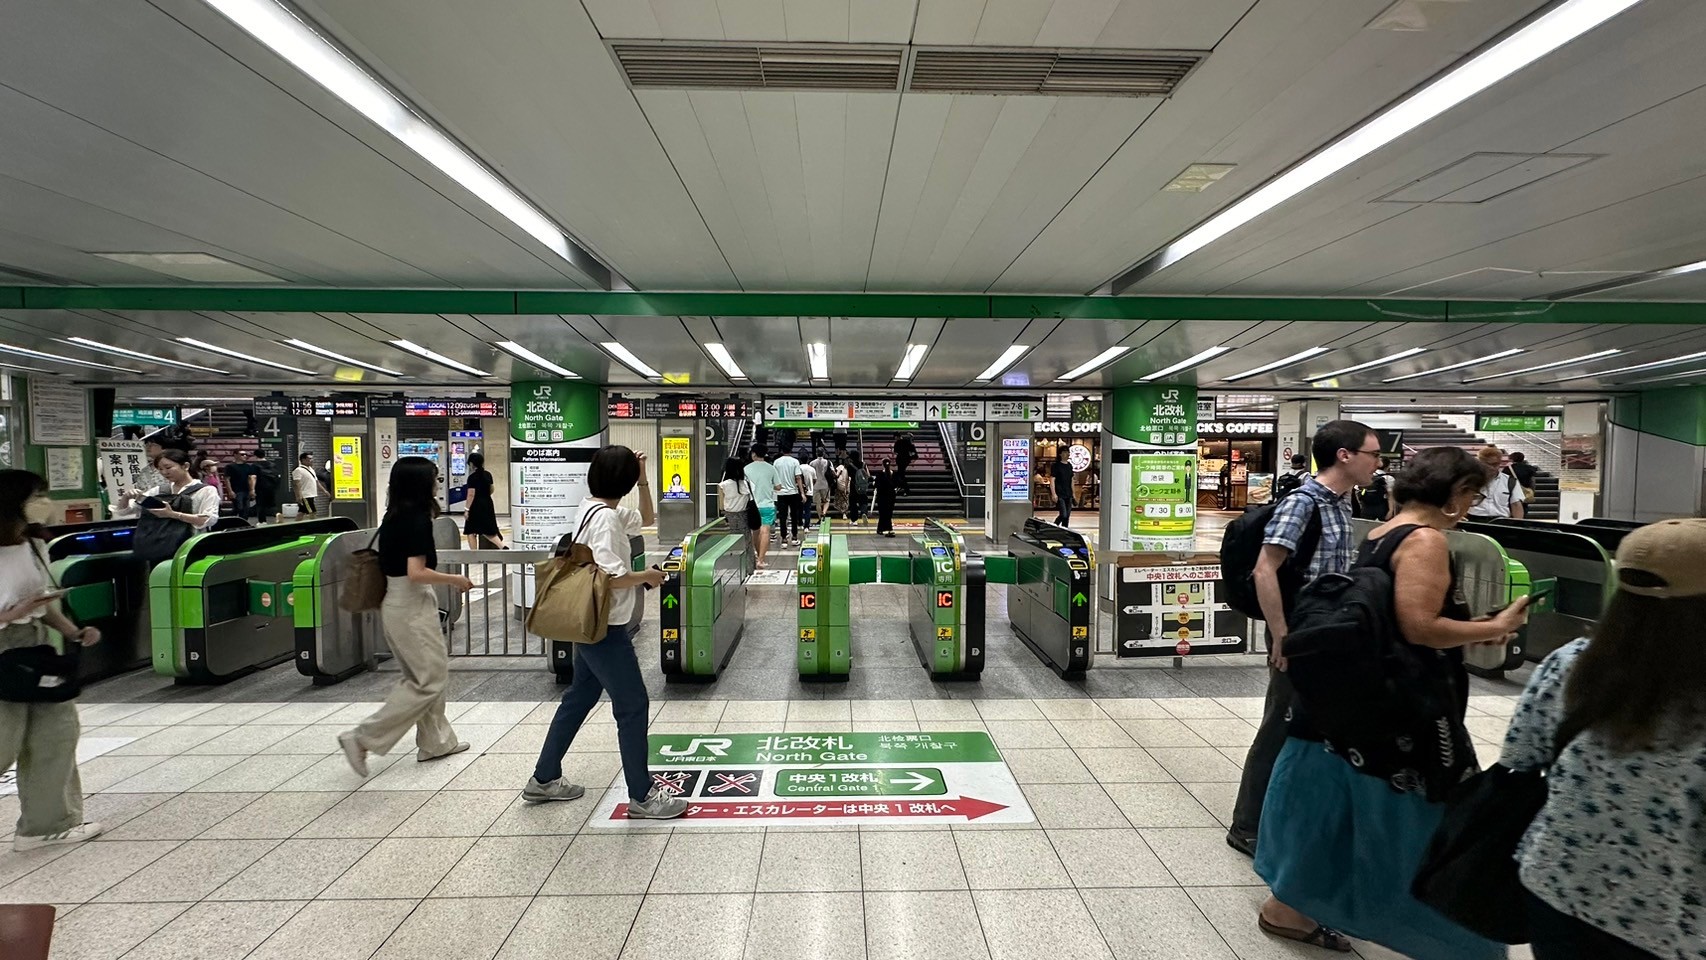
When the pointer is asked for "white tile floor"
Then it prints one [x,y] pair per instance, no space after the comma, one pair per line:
[236,831]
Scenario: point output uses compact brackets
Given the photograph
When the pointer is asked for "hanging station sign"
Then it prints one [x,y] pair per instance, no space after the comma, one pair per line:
[1519,423]
[830,410]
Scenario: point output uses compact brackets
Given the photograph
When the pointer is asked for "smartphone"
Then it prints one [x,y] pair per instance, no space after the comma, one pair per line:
[1538,598]
[653,567]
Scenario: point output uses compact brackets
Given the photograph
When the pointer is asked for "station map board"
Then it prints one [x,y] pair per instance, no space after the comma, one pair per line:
[1164,609]
[830,779]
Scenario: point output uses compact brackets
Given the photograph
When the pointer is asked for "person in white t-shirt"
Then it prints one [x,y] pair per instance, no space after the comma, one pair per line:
[808,482]
[790,506]
[610,665]
[305,484]
[1502,496]
[822,473]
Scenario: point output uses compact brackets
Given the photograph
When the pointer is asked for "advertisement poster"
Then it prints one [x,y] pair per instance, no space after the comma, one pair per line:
[676,477]
[1261,489]
[346,468]
[1579,463]
[1163,498]
[1016,469]
[59,414]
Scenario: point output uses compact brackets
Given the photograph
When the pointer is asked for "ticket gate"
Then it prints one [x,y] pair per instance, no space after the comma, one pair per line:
[1051,604]
[945,605]
[223,606]
[332,644]
[1576,560]
[702,602]
[823,575]
[108,591]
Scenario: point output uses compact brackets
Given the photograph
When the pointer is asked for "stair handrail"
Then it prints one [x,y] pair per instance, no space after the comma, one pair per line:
[950,454]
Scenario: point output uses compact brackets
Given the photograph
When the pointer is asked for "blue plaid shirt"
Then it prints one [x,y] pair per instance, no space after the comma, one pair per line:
[1336,550]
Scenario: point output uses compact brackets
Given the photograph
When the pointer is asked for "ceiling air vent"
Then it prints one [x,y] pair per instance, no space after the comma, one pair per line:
[748,66]
[1053,73]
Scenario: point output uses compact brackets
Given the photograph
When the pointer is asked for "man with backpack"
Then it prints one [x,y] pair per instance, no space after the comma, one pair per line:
[1503,496]
[1302,537]
[1290,480]
[905,452]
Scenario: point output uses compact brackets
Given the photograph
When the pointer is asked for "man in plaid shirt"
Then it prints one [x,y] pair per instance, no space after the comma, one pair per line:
[1315,519]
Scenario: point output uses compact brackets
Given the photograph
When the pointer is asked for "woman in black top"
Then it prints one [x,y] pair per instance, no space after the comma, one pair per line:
[482,518]
[885,500]
[409,559]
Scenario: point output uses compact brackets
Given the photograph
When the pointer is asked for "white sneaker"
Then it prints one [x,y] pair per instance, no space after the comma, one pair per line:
[77,834]
[354,752]
[660,804]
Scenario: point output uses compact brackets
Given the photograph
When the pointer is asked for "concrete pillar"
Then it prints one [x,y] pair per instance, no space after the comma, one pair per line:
[1149,444]
[1654,456]
[1298,422]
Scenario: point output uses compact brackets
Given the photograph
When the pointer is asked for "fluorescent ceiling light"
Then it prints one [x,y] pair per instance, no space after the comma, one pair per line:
[634,363]
[88,344]
[1684,375]
[910,362]
[1008,357]
[726,360]
[1277,364]
[437,358]
[1186,364]
[1653,365]
[201,267]
[1546,366]
[522,353]
[56,358]
[306,50]
[1098,360]
[1401,407]
[1536,39]
[818,355]
[1394,358]
[9,365]
[307,347]
[222,351]
[1489,358]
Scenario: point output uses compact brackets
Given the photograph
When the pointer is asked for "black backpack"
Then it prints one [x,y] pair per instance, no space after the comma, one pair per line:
[157,540]
[1287,484]
[1241,547]
[1388,707]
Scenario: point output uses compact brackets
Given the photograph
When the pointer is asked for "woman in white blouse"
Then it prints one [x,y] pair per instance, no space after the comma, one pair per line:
[186,507]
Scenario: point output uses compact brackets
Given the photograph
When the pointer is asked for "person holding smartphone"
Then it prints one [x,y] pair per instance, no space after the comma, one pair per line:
[408,556]
[171,513]
[41,738]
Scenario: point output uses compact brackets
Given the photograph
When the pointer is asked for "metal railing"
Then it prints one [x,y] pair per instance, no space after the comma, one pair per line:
[491,619]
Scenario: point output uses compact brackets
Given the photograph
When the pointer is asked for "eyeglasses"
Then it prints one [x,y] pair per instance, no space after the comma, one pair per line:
[1373,453]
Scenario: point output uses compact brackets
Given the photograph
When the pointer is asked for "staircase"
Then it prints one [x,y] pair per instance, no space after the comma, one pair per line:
[1435,432]
[934,491]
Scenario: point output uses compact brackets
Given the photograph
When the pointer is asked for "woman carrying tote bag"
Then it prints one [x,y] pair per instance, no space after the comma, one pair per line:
[610,665]
[737,502]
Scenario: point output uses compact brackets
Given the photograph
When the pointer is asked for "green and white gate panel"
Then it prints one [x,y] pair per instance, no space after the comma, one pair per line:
[945,602]
[823,578]
[830,779]
[702,603]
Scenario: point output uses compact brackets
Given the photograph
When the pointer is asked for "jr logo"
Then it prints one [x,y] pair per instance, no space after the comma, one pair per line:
[541,392]
[715,746]
[1169,396]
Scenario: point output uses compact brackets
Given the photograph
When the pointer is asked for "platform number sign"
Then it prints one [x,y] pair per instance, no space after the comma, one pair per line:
[808,601]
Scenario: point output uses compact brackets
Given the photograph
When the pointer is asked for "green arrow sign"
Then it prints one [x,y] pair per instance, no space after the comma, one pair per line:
[1078,598]
[670,601]
[861,782]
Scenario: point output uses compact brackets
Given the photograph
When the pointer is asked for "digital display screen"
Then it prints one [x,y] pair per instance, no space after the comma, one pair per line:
[312,407]
[938,551]
[475,407]
[678,408]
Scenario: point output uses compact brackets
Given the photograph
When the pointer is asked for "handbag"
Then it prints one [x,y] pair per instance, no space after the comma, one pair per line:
[364,589]
[1469,872]
[40,673]
[571,594]
[752,515]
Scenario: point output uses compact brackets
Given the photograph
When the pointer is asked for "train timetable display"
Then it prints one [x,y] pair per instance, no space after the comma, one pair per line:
[678,408]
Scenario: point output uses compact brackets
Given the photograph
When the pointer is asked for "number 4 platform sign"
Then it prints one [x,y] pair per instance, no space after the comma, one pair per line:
[940,777]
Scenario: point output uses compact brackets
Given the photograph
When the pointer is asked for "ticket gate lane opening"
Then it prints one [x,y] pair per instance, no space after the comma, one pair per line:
[1584,580]
[1051,603]
[108,590]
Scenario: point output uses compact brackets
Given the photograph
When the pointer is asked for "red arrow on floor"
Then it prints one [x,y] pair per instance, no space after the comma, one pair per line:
[969,808]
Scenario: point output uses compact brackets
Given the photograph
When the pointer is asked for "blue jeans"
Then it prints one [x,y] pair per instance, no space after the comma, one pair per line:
[608,665]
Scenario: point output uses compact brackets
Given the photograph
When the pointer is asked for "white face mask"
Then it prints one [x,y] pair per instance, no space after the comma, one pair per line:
[38,510]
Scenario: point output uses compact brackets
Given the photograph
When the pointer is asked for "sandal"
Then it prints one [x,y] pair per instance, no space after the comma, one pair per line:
[1324,937]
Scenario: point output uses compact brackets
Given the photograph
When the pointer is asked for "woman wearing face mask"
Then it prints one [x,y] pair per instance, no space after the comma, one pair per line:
[171,513]
[40,737]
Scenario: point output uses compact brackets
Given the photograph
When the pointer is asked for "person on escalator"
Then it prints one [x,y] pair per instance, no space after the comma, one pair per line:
[859,492]
[823,483]
[885,500]
[408,556]
[171,513]
[41,738]
[1525,473]
[610,665]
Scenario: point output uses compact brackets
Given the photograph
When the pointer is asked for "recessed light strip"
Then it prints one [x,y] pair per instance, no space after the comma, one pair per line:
[278,28]
[1489,358]
[56,358]
[1094,363]
[1277,364]
[1539,37]
[1186,364]
[96,345]
[319,351]
[1383,361]
[632,362]
[1546,366]
[817,354]
[226,352]
[1653,365]
[1008,357]
[437,358]
[726,360]
[910,363]
[528,356]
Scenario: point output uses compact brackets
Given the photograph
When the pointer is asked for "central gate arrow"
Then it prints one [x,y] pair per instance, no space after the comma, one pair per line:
[917,781]
[967,808]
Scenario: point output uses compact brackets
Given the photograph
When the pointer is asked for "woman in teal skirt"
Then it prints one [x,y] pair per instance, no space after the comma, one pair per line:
[1345,825]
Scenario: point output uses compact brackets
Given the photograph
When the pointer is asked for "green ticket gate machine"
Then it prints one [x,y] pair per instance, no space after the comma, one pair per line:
[1579,564]
[332,644]
[702,602]
[945,605]
[1051,604]
[823,576]
[223,606]
[108,591]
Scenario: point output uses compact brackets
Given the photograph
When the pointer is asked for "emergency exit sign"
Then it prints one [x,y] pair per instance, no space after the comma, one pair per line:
[1519,423]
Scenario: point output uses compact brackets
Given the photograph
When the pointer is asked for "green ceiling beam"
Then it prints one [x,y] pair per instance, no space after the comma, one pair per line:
[531,302]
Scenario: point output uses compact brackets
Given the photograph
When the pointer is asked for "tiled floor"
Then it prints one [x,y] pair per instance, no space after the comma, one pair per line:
[236,831]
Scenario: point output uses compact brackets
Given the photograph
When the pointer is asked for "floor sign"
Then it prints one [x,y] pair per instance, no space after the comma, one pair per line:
[940,777]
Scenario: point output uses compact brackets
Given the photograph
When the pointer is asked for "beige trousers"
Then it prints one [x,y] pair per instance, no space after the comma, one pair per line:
[41,738]
[410,615]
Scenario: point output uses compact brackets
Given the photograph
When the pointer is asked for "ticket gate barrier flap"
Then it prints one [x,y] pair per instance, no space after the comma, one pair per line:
[1051,606]
[332,644]
[1584,577]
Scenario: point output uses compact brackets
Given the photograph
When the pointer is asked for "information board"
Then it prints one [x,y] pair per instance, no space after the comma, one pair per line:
[1016,469]
[677,407]
[1012,411]
[826,410]
[829,779]
[676,469]
[1163,495]
[59,414]
[346,468]
[1519,423]
[1173,610]
[956,411]
[328,407]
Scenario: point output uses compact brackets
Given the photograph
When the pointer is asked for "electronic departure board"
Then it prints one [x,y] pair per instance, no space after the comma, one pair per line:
[678,408]
[314,407]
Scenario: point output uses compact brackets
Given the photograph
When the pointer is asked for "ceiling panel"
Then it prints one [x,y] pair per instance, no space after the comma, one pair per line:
[967,347]
[769,349]
[1131,24]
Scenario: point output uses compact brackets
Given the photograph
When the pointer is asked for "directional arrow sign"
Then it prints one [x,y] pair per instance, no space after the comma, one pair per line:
[670,601]
[1078,598]
[1551,423]
[917,781]
[964,808]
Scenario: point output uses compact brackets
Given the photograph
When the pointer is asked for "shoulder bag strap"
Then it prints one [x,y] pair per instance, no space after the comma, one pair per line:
[1389,544]
[581,527]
